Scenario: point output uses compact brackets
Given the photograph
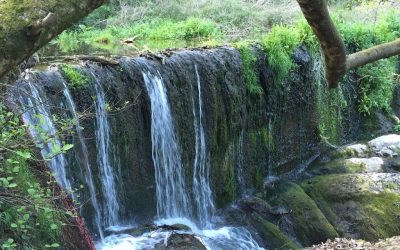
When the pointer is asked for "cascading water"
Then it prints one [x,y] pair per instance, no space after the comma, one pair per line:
[37,116]
[201,173]
[240,174]
[86,162]
[111,207]
[173,206]
[172,199]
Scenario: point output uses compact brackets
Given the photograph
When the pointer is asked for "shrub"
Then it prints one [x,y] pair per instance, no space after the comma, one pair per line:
[249,68]
[74,77]
[279,45]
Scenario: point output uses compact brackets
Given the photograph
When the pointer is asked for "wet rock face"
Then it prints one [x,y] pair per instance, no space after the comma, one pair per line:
[248,137]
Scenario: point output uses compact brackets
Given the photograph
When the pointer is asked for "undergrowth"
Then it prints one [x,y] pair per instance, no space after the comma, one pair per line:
[249,67]
[29,217]
[74,77]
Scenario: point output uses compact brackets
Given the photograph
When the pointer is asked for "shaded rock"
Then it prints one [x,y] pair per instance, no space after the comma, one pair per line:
[302,215]
[370,165]
[386,145]
[258,205]
[181,242]
[272,236]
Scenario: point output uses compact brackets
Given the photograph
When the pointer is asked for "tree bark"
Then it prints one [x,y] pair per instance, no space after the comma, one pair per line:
[373,54]
[317,14]
[336,62]
[22,41]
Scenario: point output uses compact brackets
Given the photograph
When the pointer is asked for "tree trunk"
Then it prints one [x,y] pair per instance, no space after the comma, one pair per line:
[19,39]
[317,14]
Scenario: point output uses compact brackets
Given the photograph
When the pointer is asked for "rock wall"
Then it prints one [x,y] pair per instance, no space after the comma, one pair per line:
[249,138]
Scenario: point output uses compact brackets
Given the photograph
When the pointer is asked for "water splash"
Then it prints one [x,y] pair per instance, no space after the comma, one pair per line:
[111,206]
[41,127]
[86,162]
[172,199]
[201,169]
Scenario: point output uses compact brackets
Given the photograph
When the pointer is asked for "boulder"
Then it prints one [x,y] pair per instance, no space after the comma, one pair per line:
[369,165]
[181,242]
[387,145]
[359,206]
[357,150]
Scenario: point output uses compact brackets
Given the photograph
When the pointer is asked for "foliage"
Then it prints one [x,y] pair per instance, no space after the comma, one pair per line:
[279,45]
[249,68]
[376,79]
[29,217]
[75,78]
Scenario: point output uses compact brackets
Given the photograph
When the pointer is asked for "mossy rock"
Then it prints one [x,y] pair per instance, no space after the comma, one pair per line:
[361,206]
[337,166]
[308,222]
[273,236]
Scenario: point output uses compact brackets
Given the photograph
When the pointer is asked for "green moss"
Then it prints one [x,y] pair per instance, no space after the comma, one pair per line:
[249,60]
[352,205]
[74,77]
[331,105]
[309,224]
[274,237]
[229,180]
[338,166]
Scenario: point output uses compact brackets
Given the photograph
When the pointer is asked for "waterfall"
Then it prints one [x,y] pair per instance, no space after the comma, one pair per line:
[111,207]
[86,162]
[41,127]
[239,165]
[172,199]
[201,169]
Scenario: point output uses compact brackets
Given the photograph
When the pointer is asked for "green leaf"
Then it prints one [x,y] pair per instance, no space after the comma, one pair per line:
[67,147]
[26,216]
[53,226]
[12,185]
[31,191]
[24,154]
[13,225]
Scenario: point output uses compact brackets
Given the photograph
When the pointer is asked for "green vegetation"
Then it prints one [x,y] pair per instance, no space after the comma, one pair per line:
[74,77]
[249,60]
[29,216]
[279,45]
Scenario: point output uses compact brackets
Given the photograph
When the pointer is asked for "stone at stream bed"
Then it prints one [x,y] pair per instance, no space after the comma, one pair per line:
[357,150]
[369,165]
[387,145]
[181,242]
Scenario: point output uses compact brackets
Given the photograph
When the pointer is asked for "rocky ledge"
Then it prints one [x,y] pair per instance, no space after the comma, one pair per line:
[352,192]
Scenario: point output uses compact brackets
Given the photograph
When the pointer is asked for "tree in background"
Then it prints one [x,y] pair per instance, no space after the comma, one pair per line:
[337,63]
